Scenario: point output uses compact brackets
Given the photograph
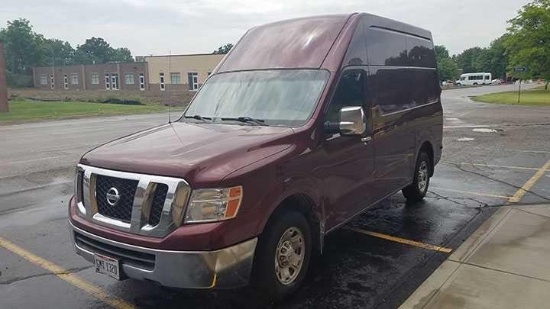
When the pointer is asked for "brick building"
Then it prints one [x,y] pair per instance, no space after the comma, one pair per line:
[110,76]
[180,72]
[153,73]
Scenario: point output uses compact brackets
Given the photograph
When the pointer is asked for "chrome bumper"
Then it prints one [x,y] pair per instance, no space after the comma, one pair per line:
[225,268]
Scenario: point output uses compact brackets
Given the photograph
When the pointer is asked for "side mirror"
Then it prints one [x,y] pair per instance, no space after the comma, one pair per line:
[352,120]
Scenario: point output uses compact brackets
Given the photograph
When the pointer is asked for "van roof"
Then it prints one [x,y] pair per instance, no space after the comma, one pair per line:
[304,42]
[300,42]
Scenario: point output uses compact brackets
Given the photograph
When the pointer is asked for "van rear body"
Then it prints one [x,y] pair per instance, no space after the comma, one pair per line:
[302,126]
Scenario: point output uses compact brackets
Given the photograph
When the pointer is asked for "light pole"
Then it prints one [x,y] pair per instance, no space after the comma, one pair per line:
[3,86]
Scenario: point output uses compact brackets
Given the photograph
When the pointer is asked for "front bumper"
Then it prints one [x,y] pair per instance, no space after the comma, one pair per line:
[225,268]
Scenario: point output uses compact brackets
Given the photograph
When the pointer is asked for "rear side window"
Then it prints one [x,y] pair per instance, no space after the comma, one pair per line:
[424,87]
[390,48]
[421,52]
[401,89]
[385,47]
[392,90]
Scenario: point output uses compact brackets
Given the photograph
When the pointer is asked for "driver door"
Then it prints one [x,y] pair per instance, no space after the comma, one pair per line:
[348,160]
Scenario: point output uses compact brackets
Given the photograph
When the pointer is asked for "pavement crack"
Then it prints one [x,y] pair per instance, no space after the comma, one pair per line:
[504,271]
[531,213]
[66,272]
[501,181]
[526,125]
[455,200]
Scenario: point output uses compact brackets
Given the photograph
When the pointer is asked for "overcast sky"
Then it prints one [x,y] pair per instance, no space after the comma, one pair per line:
[200,26]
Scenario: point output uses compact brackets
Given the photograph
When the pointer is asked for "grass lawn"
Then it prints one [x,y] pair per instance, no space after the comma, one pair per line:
[32,110]
[539,97]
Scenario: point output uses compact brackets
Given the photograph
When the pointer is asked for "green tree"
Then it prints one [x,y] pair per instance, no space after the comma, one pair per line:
[122,54]
[446,67]
[21,47]
[494,59]
[528,40]
[94,50]
[441,52]
[57,52]
[470,60]
[223,49]
[97,50]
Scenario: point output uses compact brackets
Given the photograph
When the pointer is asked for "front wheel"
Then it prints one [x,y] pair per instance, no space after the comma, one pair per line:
[283,255]
[416,191]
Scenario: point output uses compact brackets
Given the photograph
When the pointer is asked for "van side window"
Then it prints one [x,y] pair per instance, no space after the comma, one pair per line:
[392,89]
[386,47]
[350,92]
[421,52]
[402,89]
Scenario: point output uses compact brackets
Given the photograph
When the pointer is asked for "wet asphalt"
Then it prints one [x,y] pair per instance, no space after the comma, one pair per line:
[490,151]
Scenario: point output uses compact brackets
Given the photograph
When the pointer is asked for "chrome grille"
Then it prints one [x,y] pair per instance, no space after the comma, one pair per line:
[144,204]
[126,188]
[158,204]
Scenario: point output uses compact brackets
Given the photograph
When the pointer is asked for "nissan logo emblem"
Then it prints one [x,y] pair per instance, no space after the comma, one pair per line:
[112,196]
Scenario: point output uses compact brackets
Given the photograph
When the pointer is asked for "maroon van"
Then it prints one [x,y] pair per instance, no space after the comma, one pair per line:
[301,127]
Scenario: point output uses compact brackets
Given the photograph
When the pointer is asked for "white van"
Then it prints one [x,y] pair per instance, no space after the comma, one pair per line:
[474,79]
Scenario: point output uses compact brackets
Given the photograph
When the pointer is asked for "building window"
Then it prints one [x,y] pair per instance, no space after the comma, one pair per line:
[65,81]
[175,78]
[52,81]
[129,78]
[114,81]
[43,79]
[193,81]
[107,81]
[141,81]
[95,79]
[74,78]
[162,86]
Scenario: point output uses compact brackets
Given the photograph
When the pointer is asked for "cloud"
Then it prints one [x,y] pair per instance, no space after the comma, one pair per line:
[199,26]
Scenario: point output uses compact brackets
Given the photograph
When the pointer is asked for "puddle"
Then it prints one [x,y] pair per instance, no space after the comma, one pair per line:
[485,130]
[465,139]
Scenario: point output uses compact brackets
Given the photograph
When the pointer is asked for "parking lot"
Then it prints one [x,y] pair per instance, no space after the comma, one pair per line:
[493,155]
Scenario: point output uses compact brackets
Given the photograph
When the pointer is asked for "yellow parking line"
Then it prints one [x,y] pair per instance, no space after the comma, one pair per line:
[529,184]
[494,166]
[472,193]
[400,240]
[66,276]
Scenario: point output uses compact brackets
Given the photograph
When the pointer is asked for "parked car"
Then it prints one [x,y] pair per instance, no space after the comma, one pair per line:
[304,125]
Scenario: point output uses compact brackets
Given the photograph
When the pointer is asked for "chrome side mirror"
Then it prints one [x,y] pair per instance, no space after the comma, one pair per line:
[352,121]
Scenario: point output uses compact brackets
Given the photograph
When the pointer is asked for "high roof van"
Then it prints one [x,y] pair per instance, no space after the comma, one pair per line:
[302,126]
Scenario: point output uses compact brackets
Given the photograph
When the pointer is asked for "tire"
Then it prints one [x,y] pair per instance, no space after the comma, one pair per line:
[475,84]
[271,279]
[416,191]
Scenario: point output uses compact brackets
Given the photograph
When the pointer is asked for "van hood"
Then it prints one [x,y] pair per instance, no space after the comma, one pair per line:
[202,154]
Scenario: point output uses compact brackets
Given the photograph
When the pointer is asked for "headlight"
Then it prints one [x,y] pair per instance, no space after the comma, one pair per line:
[209,205]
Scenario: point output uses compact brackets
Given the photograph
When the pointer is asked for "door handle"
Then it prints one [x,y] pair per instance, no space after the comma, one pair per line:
[366,139]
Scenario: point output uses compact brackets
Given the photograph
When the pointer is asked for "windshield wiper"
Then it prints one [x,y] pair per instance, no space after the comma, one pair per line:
[198,117]
[260,122]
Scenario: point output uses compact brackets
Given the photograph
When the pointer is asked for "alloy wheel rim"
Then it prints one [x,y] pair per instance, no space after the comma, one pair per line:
[423,176]
[289,255]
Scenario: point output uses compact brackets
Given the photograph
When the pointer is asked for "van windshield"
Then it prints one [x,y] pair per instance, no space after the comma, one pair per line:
[273,97]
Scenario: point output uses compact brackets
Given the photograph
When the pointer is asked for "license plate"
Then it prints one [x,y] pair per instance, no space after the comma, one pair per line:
[107,265]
